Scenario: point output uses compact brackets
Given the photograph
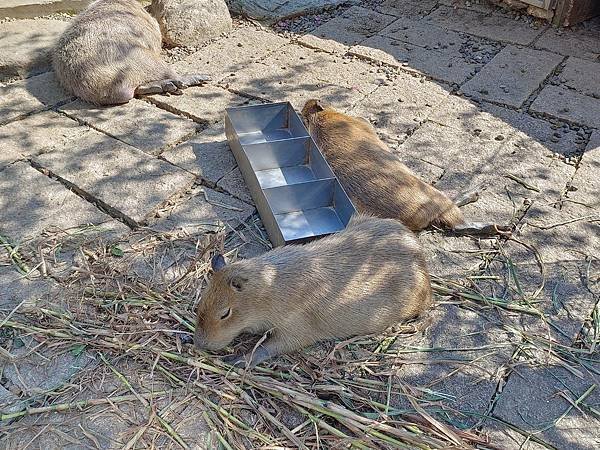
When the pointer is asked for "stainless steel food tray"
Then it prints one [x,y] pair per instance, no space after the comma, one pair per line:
[296,193]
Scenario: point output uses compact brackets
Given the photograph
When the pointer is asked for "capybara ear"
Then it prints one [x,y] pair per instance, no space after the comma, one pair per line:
[218,262]
[320,105]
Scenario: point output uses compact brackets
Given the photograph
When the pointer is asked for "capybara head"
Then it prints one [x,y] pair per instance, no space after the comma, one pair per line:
[311,107]
[221,316]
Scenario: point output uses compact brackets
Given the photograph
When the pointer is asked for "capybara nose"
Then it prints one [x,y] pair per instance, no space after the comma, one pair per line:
[199,340]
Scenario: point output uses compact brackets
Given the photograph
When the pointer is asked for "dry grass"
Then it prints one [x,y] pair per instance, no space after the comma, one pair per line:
[136,300]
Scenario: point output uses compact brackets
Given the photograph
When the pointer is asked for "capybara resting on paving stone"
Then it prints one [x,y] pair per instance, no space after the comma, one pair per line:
[111,52]
[359,281]
[376,180]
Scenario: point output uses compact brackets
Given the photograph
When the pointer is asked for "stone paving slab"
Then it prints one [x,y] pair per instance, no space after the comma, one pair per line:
[441,65]
[572,41]
[558,235]
[207,155]
[464,344]
[42,371]
[26,46]
[117,174]
[36,8]
[36,134]
[202,104]
[206,210]
[242,47]
[410,8]
[234,183]
[272,11]
[32,94]
[562,292]
[508,174]
[512,76]
[283,76]
[490,121]
[549,386]
[583,196]
[31,202]
[491,26]
[138,123]
[582,75]
[351,27]
[452,257]
[16,289]
[398,107]
[565,104]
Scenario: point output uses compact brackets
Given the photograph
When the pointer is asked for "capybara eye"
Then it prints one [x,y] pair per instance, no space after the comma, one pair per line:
[226,314]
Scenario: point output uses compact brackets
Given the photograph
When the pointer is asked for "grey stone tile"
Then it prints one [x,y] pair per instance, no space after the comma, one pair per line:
[36,134]
[486,120]
[571,41]
[207,155]
[26,46]
[512,76]
[451,257]
[441,65]
[398,107]
[582,75]
[206,210]
[296,74]
[117,174]
[31,202]
[202,103]
[351,27]
[235,184]
[410,8]
[561,235]
[454,366]
[242,46]
[17,289]
[555,390]
[37,373]
[561,292]
[32,94]
[492,26]
[565,104]
[137,123]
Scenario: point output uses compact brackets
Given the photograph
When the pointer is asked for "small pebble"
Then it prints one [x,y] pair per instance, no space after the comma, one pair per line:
[499,137]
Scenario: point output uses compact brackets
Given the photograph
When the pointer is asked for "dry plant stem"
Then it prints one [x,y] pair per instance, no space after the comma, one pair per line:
[79,405]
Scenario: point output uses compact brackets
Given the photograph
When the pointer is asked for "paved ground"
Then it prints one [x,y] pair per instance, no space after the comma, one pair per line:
[463,95]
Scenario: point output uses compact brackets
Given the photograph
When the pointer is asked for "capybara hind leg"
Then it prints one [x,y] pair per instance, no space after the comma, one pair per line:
[157,87]
[185,81]
[482,229]
[171,85]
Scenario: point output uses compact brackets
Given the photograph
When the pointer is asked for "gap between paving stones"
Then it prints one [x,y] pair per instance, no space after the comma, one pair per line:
[101,205]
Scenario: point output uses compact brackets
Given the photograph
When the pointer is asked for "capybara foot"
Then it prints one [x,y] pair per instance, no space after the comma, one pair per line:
[157,87]
[172,85]
[482,229]
[185,81]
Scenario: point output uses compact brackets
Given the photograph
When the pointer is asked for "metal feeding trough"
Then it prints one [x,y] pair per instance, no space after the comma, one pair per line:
[296,193]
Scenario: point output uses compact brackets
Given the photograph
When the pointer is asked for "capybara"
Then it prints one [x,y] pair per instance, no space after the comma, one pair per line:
[375,179]
[359,281]
[110,52]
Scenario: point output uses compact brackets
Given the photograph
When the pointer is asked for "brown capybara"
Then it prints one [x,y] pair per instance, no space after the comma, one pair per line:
[359,281]
[110,52]
[376,180]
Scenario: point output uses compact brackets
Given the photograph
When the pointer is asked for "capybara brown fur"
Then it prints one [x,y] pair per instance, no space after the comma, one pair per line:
[359,281]
[375,179]
[110,52]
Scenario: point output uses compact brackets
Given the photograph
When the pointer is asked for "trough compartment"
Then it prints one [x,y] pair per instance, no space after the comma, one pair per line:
[295,191]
